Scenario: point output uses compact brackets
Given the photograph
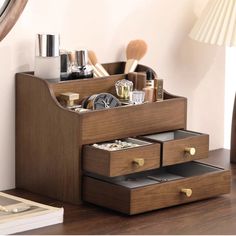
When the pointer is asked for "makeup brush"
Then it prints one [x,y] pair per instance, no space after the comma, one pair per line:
[98,66]
[135,51]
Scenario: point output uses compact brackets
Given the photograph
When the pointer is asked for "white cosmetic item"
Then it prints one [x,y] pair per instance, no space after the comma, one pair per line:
[47,58]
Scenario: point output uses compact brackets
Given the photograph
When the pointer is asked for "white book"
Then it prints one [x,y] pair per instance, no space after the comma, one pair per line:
[19,215]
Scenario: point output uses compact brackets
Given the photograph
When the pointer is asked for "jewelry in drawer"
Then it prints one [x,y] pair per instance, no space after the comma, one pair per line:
[181,146]
[155,189]
[121,157]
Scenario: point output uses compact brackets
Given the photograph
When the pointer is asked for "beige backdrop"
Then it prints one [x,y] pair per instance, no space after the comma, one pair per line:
[190,69]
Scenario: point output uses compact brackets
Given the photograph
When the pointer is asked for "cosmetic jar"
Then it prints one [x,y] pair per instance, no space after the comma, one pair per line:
[47,57]
[100,101]
[123,88]
[136,97]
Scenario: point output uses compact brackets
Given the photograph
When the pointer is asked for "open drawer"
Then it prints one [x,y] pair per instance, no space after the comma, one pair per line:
[181,146]
[150,190]
[144,156]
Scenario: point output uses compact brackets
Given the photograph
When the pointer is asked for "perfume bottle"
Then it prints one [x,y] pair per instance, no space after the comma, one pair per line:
[79,67]
[123,88]
[47,58]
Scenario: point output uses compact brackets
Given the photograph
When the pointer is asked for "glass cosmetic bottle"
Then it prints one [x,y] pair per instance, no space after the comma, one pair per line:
[149,89]
[47,58]
[79,68]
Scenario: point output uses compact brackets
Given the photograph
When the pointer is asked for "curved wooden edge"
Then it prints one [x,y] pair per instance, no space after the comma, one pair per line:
[168,95]
[47,86]
[10,16]
[47,142]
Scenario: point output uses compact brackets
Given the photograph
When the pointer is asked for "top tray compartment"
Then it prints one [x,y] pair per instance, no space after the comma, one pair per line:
[107,124]
[125,121]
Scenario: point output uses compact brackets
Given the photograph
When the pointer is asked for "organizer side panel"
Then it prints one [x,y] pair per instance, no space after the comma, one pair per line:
[134,120]
[106,194]
[47,142]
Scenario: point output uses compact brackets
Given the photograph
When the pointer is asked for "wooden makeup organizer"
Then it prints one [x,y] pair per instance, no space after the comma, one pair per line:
[54,155]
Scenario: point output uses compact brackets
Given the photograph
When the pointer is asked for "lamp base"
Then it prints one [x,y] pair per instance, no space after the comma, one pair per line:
[233,135]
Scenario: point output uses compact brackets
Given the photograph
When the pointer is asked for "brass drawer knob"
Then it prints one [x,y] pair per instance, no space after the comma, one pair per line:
[187,191]
[191,151]
[138,161]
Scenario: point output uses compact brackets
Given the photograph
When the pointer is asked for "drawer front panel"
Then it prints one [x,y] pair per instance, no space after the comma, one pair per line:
[130,121]
[121,162]
[174,152]
[156,196]
[169,194]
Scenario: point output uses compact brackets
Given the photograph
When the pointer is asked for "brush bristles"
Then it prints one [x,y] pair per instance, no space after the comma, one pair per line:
[136,49]
[92,57]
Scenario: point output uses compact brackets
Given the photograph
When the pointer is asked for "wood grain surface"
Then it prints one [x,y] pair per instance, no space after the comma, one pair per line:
[211,216]
[155,196]
[47,142]
[130,121]
[173,151]
[116,163]
[49,138]
[168,194]
[87,87]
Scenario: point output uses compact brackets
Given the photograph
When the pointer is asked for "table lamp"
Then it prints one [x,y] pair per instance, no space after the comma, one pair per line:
[217,26]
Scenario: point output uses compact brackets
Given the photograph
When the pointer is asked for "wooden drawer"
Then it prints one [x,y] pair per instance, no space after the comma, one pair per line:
[181,146]
[126,161]
[138,193]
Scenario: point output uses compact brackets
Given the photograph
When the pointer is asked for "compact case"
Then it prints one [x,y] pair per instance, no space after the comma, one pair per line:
[55,155]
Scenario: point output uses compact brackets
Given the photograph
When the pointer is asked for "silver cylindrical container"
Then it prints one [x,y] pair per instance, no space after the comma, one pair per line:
[80,69]
[81,57]
[47,57]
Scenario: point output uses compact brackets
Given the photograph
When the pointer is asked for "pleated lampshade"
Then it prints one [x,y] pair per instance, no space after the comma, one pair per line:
[217,24]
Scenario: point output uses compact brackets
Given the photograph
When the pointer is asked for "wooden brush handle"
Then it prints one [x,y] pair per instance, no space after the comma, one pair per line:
[101,69]
[96,72]
[95,75]
[131,65]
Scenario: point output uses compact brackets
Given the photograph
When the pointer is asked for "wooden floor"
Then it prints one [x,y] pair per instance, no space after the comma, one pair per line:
[213,216]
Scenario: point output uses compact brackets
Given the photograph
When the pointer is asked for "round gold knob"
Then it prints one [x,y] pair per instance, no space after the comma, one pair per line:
[190,150]
[187,191]
[138,161]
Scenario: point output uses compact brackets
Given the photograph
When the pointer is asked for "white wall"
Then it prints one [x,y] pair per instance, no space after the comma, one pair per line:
[106,26]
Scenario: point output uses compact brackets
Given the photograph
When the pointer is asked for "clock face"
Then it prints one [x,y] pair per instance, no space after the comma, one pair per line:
[101,101]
